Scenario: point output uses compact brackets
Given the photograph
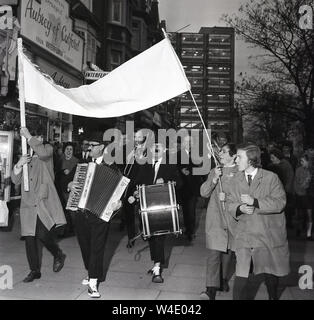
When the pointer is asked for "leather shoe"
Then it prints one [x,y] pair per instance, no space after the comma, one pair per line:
[156,271]
[58,262]
[32,276]
[157,278]
[224,287]
[130,244]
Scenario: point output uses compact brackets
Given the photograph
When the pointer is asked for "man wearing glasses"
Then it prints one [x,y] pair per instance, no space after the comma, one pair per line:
[84,156]
[91,231]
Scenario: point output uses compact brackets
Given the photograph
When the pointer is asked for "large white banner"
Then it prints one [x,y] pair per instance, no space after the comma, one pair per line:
[150,78]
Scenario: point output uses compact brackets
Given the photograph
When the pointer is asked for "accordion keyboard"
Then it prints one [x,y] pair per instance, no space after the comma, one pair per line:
[79,180]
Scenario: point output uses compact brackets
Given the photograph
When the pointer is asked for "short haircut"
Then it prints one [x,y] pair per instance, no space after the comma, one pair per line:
[232,148]
[277,153]
[38,131]
[305,156]
[253,152]
[69,143]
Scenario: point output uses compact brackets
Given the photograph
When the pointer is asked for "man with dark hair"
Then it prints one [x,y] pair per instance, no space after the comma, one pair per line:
[287,150]
[130,170]
[284,170]
[92,232]
[83,155]
[219,225]
[155,173]
[41,209]
[190,190]
[256,199]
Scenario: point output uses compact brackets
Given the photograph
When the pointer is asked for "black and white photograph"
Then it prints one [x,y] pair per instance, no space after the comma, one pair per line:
[156,155]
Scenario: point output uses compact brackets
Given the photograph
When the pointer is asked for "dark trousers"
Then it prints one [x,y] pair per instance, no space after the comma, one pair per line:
[157,248]
[129,218]
[92,234]
[240,289]
[33,245]
[188,208]
[219,262]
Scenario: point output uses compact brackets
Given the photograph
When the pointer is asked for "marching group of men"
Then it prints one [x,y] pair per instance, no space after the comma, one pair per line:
[245,215]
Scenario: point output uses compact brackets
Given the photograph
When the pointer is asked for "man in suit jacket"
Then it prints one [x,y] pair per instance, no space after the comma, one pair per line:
[84,156]
[256,199]
[190,190]
[148,174]
[92,232]
[130,170]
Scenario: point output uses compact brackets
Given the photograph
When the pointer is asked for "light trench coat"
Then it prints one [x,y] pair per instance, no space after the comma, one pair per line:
[219,225]
[42,199]
[261,236]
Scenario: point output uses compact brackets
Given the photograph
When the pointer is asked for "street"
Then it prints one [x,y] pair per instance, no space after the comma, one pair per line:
[127,277]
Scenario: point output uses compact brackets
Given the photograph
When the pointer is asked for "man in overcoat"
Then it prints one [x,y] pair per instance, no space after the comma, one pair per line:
[219,225]
[41,209]
[256,198]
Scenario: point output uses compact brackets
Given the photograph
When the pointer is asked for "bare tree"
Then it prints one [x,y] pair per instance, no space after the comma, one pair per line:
[268,108]
[273,25]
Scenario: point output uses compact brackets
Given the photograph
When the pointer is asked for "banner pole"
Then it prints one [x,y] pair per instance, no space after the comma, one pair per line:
[22,110]
[210,145]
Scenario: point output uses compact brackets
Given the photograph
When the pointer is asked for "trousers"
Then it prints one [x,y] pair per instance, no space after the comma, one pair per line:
[92,234]
[33,245]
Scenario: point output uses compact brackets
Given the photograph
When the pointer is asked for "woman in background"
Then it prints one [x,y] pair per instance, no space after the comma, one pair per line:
[303,202]
[65,168]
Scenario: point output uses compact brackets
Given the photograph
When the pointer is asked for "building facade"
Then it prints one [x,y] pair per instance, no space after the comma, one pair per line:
[208,60]
[50,41]
[104,34]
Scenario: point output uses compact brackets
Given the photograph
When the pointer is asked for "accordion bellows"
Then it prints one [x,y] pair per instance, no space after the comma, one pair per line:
[97,187]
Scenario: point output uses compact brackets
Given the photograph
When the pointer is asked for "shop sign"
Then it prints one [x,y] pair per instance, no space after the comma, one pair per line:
[59,76]
[47,23]
[94,75]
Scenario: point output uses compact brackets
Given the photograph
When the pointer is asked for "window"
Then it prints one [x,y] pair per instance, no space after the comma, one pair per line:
[115,59]
[189,38]
[136,30]
[219,39]
[192,53]
[117,11]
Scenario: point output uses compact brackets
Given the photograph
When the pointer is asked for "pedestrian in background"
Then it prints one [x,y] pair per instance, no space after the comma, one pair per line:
[303,201]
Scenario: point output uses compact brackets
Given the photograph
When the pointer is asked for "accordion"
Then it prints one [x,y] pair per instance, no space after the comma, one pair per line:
[97,187]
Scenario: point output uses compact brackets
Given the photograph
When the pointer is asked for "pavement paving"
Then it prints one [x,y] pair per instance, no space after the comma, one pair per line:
[127,277]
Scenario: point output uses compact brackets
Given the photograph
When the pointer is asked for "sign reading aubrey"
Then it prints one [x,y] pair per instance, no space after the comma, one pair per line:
[48,24]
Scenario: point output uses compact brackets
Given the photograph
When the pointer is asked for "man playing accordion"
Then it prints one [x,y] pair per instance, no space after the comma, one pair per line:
[91,231]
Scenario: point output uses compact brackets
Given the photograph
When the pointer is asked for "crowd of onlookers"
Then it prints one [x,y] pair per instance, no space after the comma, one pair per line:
[297,177]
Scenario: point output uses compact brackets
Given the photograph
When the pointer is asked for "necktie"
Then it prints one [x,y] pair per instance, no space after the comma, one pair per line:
[249,179]
[154,172]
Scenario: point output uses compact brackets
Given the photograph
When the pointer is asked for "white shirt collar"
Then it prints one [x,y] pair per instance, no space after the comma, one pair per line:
[253,174]
[99,160]
[157,162]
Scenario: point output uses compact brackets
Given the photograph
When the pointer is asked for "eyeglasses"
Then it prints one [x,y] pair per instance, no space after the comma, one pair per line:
[94,145]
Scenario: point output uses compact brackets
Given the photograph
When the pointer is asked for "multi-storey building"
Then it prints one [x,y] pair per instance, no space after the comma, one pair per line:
[208,60]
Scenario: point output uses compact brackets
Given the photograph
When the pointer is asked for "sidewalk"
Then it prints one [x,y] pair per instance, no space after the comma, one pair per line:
[127,278]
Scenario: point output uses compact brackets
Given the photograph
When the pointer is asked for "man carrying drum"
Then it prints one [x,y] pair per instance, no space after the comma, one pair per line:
[157,172]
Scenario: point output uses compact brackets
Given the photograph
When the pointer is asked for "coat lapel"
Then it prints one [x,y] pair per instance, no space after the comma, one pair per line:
[256,181]
[244,187]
